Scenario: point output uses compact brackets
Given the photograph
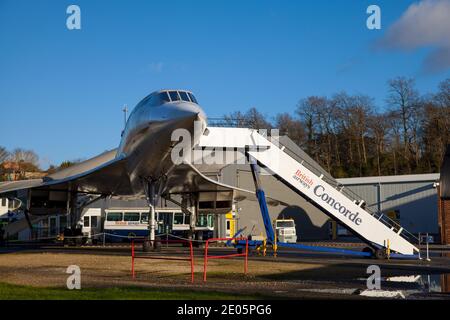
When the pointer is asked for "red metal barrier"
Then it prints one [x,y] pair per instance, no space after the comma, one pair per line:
[191,256]
[132,259]
[245,254]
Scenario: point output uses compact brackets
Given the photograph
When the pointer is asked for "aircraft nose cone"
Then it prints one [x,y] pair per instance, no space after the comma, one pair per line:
[190,111]
[183,115]
[192,118]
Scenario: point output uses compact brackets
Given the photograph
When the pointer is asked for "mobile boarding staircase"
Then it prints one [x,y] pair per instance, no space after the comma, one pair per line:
[376,229]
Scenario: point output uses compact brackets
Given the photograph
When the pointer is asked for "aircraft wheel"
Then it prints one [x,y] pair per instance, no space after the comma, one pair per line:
[157,246]
[146,246]
[200,237]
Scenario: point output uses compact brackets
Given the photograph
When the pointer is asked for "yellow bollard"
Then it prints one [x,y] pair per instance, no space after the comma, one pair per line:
[388,251]
[275,246]
[264,247]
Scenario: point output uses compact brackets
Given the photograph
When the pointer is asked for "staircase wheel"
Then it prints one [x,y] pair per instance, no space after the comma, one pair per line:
[380,254]
[369,250]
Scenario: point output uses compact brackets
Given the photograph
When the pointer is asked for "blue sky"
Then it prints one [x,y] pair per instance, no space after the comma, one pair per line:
[61,91]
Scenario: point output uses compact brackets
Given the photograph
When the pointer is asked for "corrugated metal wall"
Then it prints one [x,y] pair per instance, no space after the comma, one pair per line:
[416,201]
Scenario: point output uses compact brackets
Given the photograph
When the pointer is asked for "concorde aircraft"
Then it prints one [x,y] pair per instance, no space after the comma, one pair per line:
[144,165]
[141,165]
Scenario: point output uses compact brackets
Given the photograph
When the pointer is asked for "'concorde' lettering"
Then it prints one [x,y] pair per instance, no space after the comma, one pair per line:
[352,216]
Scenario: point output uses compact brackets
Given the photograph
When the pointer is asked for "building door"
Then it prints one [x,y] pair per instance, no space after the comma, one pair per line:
[52,227]
[230,225]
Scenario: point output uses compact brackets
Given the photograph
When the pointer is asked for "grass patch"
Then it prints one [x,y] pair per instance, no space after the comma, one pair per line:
[17,292]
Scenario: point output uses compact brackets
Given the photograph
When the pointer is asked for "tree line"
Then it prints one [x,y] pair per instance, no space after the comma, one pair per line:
[347,134]
[15,164]
[350,136]
[21,164]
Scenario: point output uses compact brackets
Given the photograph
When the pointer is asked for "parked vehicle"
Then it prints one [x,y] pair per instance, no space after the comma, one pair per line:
[285,230]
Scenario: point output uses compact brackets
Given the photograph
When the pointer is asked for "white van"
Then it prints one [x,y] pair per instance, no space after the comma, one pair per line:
[3,206]
[285,230]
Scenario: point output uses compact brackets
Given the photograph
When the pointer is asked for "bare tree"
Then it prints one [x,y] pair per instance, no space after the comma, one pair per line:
[326,123]
[435,129]
[443,96]
[291,127]
[403,100]
[378,125]
[27,156]
[257,120]
[343,103]
[235,119]
[351,117]
[362,110]
[307,110]
[251,119]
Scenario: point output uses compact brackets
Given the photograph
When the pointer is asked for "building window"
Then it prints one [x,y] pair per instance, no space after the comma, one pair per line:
[202,221]
[94,222]
[131,216]
[114,216]
[86,222]
[210,220]
[178,218]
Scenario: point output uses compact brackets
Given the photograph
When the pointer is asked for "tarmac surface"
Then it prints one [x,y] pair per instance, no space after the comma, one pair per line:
[290,275]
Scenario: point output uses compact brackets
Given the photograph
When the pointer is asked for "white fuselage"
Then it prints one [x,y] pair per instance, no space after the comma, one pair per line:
[146,141]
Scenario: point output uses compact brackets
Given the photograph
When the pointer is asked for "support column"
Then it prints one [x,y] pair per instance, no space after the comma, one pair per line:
[262,201]
[193,210]
[151,244]
[26,211]
[73,210]
[189,207]
[152,215]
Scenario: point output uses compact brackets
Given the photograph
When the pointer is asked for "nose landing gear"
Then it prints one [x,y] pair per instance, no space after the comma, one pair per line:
[152,246]
[152,243]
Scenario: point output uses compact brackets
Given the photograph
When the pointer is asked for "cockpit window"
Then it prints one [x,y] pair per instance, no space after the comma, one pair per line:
[192,98]
[184,96]
[174,95]
[164,97]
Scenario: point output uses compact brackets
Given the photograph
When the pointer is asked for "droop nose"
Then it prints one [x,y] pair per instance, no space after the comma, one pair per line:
[189,111]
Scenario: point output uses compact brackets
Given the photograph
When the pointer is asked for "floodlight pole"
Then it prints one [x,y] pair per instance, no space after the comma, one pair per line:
[125,115]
